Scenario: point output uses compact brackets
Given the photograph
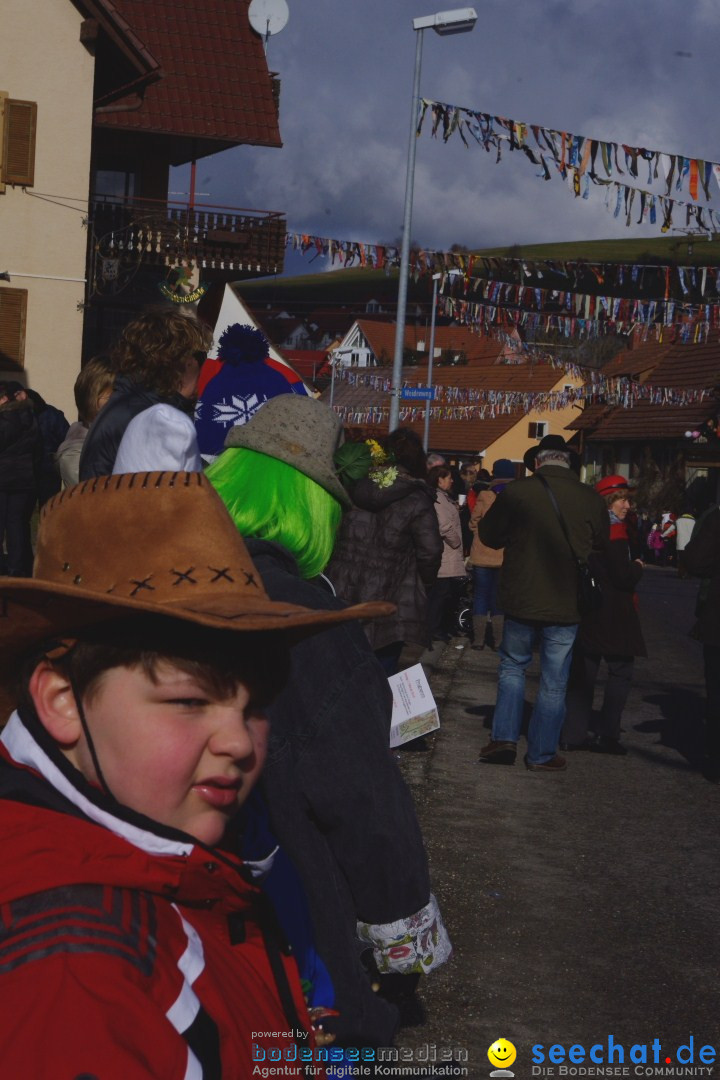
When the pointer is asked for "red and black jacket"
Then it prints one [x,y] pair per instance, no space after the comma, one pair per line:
[128,951]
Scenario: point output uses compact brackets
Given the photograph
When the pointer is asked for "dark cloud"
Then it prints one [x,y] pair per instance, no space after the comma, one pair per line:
[603,68]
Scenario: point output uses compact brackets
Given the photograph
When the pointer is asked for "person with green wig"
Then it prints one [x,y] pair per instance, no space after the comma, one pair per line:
[336,801]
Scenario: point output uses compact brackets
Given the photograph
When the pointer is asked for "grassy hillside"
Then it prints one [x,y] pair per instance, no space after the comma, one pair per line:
[637,249]
[347,288]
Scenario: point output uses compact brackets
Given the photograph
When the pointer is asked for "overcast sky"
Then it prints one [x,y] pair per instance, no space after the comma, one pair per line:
[641,72]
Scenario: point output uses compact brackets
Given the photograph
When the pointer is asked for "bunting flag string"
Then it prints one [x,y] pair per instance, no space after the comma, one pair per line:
[590,305]
[577,314]
[670,280]
[482,403]
[691,279]
[489,318]
[378,414]
[356,253]
[581,161]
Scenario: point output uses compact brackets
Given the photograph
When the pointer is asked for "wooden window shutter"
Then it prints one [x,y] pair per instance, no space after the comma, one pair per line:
[18,156]
[13,316]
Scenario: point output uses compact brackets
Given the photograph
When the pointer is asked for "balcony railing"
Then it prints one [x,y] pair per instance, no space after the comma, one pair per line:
[174,234]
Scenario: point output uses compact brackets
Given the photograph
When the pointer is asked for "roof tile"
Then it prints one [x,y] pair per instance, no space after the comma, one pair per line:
[216,83]
[678,367]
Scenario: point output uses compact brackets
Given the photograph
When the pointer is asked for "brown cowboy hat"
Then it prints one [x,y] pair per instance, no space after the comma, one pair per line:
[159,543]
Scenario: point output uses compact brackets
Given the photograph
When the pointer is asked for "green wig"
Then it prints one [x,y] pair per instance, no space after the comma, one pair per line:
[273,501]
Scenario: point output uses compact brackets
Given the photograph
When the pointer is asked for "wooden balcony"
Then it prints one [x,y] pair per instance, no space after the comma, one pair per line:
[133,231]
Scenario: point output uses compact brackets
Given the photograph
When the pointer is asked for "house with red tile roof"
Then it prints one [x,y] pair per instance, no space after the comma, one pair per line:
[210,90]
[370,343]
[670,428]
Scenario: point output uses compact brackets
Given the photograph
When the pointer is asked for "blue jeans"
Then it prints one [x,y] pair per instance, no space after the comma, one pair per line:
[548,713]
[485,590]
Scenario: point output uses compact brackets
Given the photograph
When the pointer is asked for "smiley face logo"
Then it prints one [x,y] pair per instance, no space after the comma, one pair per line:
[502,1053]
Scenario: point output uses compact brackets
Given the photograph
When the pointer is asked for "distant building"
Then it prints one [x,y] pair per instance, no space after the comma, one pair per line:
[369,344]
[624,440]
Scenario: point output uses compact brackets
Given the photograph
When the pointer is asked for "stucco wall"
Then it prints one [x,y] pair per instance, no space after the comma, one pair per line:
[42,60]
[515,442]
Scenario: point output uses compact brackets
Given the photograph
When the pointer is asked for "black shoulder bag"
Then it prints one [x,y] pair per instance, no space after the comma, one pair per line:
[589,591]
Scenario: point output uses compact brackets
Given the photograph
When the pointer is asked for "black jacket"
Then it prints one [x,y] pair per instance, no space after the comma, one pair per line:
[127,400]
[614,630]
[337,802]
[389,548]
[20,447]
[702,559]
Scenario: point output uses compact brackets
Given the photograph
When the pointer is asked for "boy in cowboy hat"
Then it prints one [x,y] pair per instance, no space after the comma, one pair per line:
[133,943]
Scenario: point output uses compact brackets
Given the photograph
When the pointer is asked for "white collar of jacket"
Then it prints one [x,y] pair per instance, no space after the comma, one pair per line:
[25,749]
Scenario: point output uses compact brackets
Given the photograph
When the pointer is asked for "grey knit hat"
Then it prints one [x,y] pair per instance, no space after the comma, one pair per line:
[300,431]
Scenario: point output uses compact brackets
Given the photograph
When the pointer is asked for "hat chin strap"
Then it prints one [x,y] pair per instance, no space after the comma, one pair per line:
[88,738]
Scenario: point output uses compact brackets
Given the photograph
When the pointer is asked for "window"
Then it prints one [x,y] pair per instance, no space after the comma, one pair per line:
[13,316]
[537,430]
[19,124]
[113,185]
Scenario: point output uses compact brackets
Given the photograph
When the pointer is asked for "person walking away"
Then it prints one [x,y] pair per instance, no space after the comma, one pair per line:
[451,575]
[538,593]
[684,528]
[157,362]
[336,801]
[612,633]
[486,561]
[389,547]
[702,560]
[92,391]
[20,457]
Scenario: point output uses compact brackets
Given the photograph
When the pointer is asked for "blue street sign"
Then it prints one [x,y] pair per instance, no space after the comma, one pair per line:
[418,393]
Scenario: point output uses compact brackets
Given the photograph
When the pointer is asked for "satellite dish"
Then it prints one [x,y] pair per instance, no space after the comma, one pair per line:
[268,17]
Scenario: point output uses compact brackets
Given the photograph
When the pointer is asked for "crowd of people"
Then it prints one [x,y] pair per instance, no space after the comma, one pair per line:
[216,859]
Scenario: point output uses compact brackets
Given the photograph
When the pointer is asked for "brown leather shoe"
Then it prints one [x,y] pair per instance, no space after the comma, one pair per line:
[498,753]
[555,764]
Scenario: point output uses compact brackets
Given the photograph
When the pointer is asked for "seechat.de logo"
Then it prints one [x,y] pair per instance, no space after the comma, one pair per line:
[501,1054]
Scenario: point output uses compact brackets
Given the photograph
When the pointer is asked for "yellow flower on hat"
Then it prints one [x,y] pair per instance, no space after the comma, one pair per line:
[376,451]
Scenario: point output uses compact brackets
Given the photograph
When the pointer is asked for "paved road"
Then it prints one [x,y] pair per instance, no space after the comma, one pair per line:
[582,904]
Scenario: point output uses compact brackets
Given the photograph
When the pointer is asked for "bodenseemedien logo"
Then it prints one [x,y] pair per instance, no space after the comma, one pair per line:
[501,1054]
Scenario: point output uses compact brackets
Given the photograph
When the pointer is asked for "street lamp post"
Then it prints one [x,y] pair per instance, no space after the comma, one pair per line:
[431,356]
[458,21]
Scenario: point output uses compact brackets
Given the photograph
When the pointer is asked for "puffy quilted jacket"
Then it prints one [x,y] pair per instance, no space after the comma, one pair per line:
[389,548]
[20,447]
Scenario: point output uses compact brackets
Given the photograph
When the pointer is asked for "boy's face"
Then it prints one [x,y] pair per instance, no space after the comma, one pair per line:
[171,750]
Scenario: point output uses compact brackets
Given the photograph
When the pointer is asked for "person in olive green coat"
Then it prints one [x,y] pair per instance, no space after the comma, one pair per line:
[538,593]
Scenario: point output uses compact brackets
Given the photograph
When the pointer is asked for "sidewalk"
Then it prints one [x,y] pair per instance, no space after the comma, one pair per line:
[581,904]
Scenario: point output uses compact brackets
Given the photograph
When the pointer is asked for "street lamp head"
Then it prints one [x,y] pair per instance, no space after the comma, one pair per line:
[458,21]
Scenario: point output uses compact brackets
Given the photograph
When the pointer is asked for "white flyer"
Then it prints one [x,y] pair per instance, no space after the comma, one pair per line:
[414,710]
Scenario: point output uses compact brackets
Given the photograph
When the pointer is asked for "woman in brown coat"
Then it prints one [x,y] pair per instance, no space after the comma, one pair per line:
[486,561]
